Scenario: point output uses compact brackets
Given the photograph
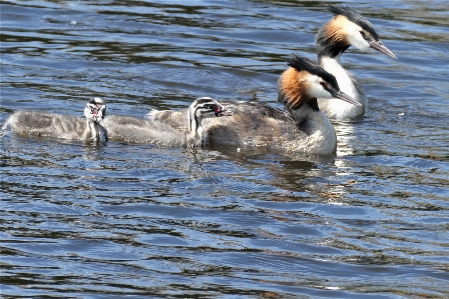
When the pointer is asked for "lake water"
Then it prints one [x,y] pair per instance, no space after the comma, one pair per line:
[138,221]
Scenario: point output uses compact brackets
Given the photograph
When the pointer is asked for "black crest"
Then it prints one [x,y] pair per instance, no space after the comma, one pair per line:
[354,17]
[304,64]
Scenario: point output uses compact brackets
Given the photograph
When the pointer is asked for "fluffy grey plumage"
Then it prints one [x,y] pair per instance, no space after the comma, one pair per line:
[135,130]
[44,124]
[116,127]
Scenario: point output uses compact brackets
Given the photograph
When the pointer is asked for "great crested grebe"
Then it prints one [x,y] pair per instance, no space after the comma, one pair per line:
[346,28]
[44,124]
[135,130]
[304,129]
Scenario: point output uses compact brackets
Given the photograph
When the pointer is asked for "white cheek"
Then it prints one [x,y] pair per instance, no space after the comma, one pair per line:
[356,39]
[316,90]
[87,113]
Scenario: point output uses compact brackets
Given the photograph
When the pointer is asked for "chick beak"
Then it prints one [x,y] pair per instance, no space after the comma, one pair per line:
[342,96]
[98,115]
[379,46]
[220,111]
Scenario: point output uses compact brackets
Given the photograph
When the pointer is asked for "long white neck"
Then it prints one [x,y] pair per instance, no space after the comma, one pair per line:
[95,132]
[321,137]
[335,108]
[319,134]
[196,131]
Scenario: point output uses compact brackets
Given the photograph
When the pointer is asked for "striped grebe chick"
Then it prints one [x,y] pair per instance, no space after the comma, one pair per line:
[52,125]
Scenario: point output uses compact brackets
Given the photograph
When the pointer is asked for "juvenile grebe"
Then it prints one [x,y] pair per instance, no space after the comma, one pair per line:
[304,129]
[44,124]
[135,130]
[346,28]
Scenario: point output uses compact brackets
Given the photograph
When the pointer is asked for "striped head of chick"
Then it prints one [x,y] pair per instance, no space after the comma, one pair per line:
[95,109]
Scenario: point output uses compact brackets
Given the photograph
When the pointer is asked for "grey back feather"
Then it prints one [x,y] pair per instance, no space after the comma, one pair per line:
[44,124]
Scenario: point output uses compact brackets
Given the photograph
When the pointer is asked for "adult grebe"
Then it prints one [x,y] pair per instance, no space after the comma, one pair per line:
[304,129]
[346,28]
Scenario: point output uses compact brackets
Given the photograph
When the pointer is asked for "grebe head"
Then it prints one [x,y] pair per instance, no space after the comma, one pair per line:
[202,108]
[304,82]
[348,28]
[206,107]
[95,110]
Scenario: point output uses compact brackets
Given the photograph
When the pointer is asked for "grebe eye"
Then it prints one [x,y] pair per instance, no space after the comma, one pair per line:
[362,33]
[322,83]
